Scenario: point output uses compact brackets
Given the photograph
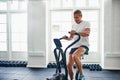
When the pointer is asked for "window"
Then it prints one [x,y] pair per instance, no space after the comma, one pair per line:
[80,3]
[60,25]
[67,3]
[18,5]
[19,30]
[62,19]
[63,4]
[13,25]
[3,5]
[3,33]
[87,3]
[95,2]
[55,4]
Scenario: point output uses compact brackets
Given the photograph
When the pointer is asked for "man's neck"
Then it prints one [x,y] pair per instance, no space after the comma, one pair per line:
[79,22]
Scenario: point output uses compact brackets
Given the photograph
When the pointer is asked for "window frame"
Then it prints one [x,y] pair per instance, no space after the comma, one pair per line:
[8,13]
[4,32]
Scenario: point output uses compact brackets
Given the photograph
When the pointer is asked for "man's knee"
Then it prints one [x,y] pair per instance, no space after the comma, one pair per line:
[75,56]
[78,53]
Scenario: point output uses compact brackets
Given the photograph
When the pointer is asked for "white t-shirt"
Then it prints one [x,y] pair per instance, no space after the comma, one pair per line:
[79,28]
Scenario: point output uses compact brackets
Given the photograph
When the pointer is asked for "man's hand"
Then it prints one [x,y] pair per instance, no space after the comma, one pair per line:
[72,32]
[65,37]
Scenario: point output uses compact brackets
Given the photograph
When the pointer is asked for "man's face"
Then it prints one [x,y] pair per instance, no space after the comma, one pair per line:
[77,18]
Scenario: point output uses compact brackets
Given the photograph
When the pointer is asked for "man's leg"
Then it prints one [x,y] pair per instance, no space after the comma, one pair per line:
[76,56]
[70,67]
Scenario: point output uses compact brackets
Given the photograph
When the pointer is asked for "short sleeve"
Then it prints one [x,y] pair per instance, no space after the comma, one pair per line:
[73,27]
[87,25]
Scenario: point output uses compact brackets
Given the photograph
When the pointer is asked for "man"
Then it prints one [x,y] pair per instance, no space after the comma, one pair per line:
[81,47]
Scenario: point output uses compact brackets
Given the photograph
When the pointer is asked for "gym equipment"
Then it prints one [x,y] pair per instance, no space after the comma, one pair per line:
[60,57]
[95,67]
[51,65]
[91,67]
[13,63]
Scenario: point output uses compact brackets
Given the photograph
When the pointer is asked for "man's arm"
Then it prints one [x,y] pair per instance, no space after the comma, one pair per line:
[85,33]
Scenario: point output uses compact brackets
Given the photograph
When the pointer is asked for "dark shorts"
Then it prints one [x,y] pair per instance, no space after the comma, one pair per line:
[74,49]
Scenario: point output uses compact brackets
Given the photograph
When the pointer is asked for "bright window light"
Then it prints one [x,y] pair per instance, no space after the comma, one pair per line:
[14,5]
[3,5]
[3,28]
[61,21]
[2,18]
[67,3]
[19,31]
[94,3]
[3,34]
[80,3]
[55,3]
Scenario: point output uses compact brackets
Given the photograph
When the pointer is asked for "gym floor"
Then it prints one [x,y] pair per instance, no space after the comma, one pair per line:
[22,73]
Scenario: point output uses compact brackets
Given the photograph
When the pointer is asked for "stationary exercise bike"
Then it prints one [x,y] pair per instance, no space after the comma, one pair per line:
[60,57]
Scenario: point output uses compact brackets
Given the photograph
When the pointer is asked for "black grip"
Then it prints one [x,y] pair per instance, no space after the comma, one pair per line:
[75,33]
[64,37]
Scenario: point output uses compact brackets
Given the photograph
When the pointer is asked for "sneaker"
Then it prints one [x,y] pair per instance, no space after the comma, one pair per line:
[81,77]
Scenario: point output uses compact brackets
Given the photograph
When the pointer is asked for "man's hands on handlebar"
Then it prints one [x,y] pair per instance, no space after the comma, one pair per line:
[72,32]
[65,37]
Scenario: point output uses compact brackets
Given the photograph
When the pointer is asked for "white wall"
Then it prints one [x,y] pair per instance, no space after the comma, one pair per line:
[112,34]
[37,33]
[4,56]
